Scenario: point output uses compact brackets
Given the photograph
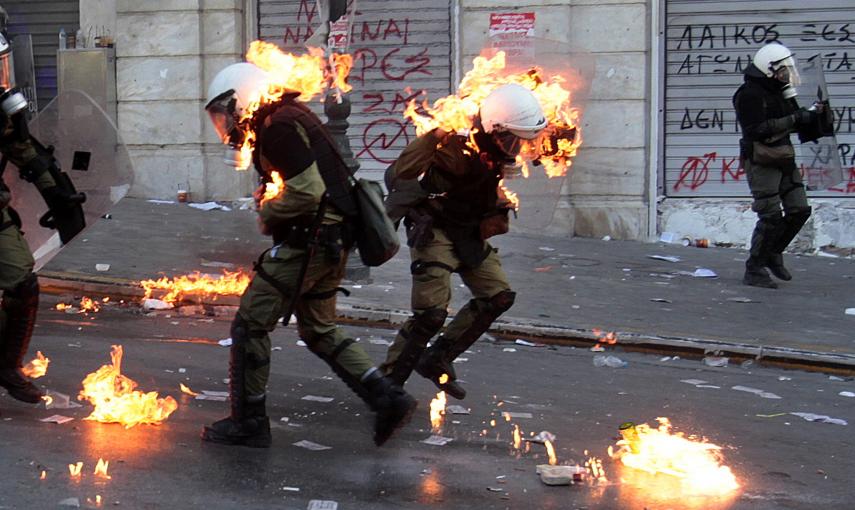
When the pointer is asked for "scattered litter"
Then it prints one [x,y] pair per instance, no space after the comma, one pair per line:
[849,311]
[542,437]
[669,358]
[716,361]
[285,419]
[495,489]
[508,415]
[59,400]
[214,263]
[379,341]
[156,304]
[770,415]
[102,267]
[710,386]
[668,237]
[545,248]
[747,363]
[57,418]
[759,393]
[520,341]
[315,398]
[226,342]
[290,489]
[660,300]
[693,382]
[217,396]
[509,349]
[543,269]
[607,238]
[435,440]
[456,409]
[319,504]
[598,348]
[821,418]
[301,343]
[155,201]
[666,258]
[182,370]
[460,360]
[72,502]
[835,378]
[741,300]
[703,272]
[847,394]
[309,445]
[784,378]
[609,361]
[277,348]
[561,475]
[209,206]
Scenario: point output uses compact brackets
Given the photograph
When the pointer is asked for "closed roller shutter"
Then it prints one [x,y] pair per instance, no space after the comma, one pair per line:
[43,19]
[708,45]
[397,45]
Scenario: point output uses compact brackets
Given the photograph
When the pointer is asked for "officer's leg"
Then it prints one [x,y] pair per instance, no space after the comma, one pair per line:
[431,292]
[796,213]
[491,298]
[764,183]
[261,306]
[20,305]
[348,360]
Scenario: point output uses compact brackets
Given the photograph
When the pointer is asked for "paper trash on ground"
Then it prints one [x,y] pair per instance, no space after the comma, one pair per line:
[703,272]
[57,418]
[510,414]
[542,437]
[437,440]
[209,206]
[821,418]
[320,504]
[759,393]
[456,409]
[520,341]
[315,398]
[666,258]
[156,304]
[225,342]
[309,445]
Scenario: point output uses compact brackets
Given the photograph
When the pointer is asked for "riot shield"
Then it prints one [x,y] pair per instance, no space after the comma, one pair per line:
[537,189]
[818,160]
[87,146]
[25,71]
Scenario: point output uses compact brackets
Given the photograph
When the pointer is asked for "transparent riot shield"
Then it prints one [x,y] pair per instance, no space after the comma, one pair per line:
[87,146]
[25,71]
[818,160]
[538,187]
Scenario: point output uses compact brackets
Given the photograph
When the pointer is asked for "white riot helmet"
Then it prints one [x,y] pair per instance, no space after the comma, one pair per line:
[776,61]
[12,100]
[511,113]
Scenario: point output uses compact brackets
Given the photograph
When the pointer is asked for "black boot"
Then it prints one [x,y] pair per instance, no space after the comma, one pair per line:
[434,366]
[394,406]
[20,305]
[766,232]
[786,231]
[756,275]
[248,424]
[422,328]
[775,263]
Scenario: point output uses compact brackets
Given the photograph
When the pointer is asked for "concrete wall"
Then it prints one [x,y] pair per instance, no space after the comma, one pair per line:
[605,193]
[167,53]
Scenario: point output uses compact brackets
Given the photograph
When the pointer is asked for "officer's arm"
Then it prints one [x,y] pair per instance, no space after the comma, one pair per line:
[419,155]
[752,118]
[287,149]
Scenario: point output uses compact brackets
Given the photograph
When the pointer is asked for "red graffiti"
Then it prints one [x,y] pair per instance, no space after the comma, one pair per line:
[416,64]
[392,29]
[694,172]
[384,134]
[399,104]
[849,185]
[728,172]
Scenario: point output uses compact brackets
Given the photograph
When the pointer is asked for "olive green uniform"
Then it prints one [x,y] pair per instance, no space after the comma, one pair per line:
[464,198]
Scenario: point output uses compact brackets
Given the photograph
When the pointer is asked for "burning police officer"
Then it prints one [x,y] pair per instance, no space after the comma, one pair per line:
[18,283]
[307,216]
[446,187]
[768,113]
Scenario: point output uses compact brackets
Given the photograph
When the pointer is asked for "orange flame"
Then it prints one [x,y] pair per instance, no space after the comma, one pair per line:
[37,367]
[437,411]
[309,74]
[231,283]
[456,113]
[695,462]
[594,465]
[550,451]
[87,305]
[272,189]
[188,391]
[74,470]
[517,437]
[101,469]
[608,338]
[43,476]
[116,400]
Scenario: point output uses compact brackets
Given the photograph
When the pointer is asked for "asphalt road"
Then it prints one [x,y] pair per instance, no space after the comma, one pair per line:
[781,461]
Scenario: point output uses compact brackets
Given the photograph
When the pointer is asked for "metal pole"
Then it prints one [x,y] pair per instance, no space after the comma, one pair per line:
[337,110]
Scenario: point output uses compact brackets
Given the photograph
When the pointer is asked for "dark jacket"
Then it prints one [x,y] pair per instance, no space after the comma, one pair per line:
[762,111]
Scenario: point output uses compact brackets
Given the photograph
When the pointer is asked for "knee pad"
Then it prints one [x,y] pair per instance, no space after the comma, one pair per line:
[429,322]
[503,301]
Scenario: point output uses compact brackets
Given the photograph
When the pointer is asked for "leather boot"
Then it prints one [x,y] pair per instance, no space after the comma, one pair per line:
[20,306]
[394,406]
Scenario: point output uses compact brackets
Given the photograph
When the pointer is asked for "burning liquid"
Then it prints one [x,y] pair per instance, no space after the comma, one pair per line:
[187,391]
[37,367]
[116,400]
[437,411]
[101,469]
[456,113]
[231,283]
[87,305]
[696,463]
[272,189]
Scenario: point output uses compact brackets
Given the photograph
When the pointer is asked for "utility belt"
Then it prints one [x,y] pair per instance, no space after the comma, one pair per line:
[333,238]
[776,151]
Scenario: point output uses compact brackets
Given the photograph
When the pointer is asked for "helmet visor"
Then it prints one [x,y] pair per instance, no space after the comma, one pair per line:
[508,143]
[7,77]
[223,119]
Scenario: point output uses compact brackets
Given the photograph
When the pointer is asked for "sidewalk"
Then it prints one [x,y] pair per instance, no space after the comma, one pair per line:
[565,287]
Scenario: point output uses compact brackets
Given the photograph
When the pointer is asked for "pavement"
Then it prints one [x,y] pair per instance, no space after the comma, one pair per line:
[566,287]
[780,460]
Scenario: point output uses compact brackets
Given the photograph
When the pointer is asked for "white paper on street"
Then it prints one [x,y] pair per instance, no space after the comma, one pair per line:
[319,504]
[310,445]
[57,418]
[437,440]
[315,398]
[821,418]
[759,393]
[511,414]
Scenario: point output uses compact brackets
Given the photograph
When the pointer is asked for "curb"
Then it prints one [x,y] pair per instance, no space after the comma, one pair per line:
[54,282]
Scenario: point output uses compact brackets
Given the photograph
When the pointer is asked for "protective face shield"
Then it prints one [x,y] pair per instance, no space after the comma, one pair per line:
[776,61]
[512,114]
[7,77]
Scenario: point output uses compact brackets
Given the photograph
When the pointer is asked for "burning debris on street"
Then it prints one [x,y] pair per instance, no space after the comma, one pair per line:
[37,367]
[173,290]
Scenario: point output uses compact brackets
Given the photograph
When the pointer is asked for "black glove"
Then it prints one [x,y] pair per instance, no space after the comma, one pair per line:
[804,117]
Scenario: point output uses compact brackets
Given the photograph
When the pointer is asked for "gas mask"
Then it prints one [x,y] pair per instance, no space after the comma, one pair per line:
[229,130]
[789,76]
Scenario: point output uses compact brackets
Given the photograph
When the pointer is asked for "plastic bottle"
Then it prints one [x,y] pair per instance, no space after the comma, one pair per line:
[62,39]
[609,361]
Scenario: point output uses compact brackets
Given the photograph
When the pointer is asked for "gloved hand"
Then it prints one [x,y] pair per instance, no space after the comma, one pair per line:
[494,224]
[804,117]
[60,199]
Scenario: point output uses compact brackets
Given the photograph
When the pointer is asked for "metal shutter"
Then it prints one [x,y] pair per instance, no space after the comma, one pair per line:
[708,44]
[396,45]
[43,20]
